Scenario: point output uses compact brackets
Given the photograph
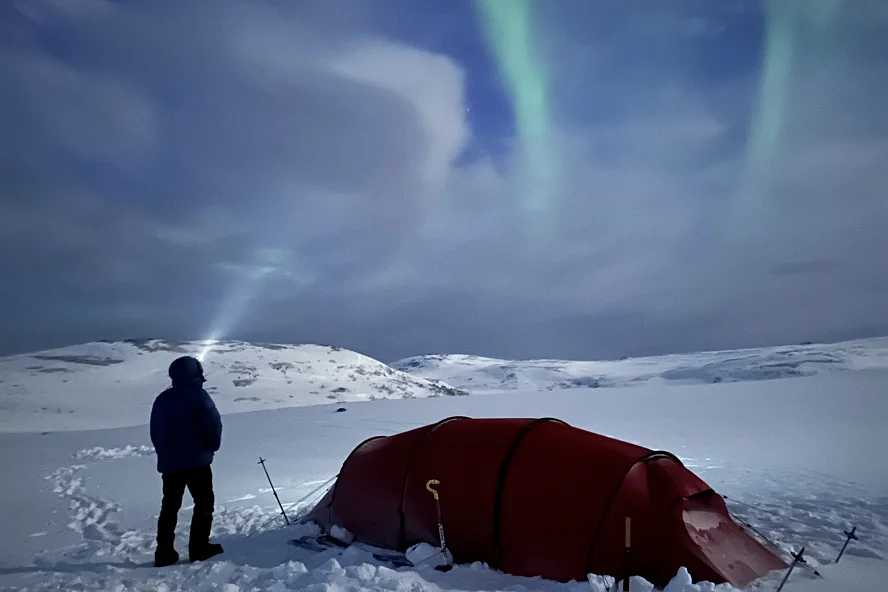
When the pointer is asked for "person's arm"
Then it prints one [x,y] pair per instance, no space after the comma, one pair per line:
[154,428]
[209,422]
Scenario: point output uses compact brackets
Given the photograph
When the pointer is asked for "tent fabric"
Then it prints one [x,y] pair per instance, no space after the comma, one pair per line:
[539,497]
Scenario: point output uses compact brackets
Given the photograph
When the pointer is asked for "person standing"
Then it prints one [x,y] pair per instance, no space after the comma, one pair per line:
[186,430]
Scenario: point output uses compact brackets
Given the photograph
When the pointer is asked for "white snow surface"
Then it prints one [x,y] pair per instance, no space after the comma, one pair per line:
[423,553]
[483,375]
[105,385]
[801,460]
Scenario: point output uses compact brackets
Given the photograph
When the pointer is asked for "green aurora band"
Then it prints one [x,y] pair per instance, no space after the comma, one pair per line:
[785,24]
[508,26]
[509,30]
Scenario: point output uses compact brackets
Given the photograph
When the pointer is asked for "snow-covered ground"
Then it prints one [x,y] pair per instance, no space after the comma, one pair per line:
[103,385]
[801,459]
[479,374]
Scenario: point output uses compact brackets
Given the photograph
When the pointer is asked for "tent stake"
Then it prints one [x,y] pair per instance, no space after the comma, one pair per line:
[262,462]
[628,544]
[848,537]
[796,559]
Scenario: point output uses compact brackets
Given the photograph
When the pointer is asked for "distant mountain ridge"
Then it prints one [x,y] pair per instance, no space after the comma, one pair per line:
[112,384]
[481,375]
[109,384]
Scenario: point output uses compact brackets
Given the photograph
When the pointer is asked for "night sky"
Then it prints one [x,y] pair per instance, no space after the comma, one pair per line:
[511,178]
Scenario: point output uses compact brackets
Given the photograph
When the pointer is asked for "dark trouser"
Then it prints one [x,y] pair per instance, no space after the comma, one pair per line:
[200,485]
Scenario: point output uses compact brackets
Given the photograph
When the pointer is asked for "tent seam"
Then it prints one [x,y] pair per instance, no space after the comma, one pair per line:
[505,465]
[402,533]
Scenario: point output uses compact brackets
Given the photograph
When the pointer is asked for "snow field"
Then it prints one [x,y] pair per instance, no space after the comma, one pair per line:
[799,459]
[259,558]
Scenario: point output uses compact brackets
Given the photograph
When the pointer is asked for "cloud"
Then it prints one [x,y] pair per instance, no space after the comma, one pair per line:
[803,267]
[294,165]
[149,163]
[432,83]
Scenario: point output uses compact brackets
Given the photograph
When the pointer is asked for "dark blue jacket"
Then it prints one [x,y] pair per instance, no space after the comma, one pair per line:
[186,428]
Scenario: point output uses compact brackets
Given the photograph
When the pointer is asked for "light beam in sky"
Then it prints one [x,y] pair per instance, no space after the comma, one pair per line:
[234,307]
[246,288]
[508,27]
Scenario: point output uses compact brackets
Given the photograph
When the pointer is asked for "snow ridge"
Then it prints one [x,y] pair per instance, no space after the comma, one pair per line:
[482,375]
[113,384]
[99,453]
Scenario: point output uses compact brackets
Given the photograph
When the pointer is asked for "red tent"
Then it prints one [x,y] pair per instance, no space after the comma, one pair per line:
[538,497]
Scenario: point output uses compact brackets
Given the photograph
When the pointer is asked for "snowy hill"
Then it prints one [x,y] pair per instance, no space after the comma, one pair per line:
[483,375]
[102,385]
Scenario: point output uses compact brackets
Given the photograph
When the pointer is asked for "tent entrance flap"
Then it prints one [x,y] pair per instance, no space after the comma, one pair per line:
[725,545]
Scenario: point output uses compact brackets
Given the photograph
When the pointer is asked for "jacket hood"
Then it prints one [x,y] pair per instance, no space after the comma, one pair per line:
[185,370]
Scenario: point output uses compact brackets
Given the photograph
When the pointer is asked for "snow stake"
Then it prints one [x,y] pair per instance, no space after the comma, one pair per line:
[262,462]
[796,559]
[444,549]
[848,537]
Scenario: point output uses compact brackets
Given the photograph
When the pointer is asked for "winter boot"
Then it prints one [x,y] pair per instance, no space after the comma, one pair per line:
[165,556]
[204,552]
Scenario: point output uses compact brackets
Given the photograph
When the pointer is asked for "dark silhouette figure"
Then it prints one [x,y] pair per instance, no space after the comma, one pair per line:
[186,430]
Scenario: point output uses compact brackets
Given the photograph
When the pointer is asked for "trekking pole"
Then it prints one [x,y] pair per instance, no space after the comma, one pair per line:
[848,537]
[447,555]
[262,462]
[796,559]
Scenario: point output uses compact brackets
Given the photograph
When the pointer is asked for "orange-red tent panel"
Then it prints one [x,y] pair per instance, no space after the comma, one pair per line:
[538,497]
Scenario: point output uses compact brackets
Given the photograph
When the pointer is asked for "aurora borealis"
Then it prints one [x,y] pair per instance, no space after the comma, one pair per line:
[508,26]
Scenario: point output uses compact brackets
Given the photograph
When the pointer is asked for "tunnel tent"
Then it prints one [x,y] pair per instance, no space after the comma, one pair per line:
[539,497]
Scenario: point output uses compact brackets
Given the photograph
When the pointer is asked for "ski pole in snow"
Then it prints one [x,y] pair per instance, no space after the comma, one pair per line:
[262,462]
[444,550]
[848,537]
[796,559]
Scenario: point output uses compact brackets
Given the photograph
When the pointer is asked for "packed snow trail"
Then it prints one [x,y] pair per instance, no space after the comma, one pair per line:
[102,537]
